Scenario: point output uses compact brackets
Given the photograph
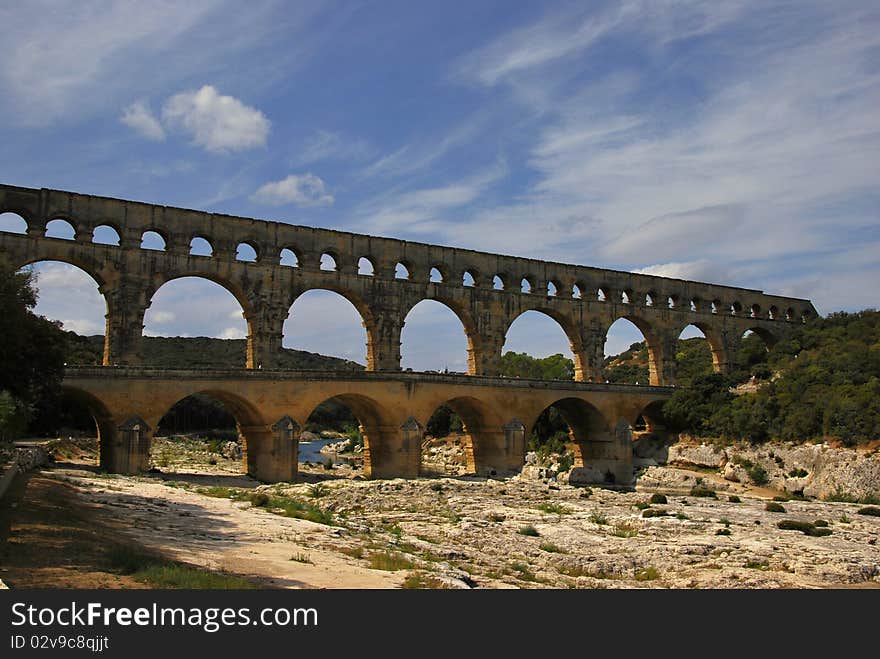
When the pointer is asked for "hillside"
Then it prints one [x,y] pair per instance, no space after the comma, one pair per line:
[199,352]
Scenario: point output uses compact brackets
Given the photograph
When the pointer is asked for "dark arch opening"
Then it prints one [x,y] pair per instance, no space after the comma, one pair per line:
[83,426]
[13,223]
[539,334]
[632,353]
[571,434]
[651,438]
[752,357]
[375,432]
[327,330]
[202,428]
[60,228]
[437,337]
[104,234]
[552,288]
[463,436]
[214,427]
[193,321]
[576,292]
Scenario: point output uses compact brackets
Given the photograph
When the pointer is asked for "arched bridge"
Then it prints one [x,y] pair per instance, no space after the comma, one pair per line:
[393,409]
[268,265]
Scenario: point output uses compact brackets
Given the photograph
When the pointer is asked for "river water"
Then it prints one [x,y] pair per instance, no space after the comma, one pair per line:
[311,451]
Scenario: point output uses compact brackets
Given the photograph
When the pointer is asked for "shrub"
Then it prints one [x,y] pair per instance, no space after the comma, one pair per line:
[259,499]
[804,527]
[734,499]
[598,518]
[422,581]
[654,512]
[782,497]
[758,474]
[318,490]
[496,517]
[798,473]
[529,530]
[773,507]
[873,511]
[659,498]
[554,509]
[724,531]
[641,505]
[437,487]
[647,574]
[820,523]
[699,491]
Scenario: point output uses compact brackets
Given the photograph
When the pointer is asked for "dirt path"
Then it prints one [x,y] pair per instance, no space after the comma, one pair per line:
[60,523]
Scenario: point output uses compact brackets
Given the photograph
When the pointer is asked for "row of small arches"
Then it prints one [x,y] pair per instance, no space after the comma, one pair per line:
[200,246]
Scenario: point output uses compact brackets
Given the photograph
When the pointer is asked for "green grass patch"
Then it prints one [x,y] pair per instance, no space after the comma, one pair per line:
[734,499]
[419,581]
[162,573]
[522,571]
[641,505]
[318,490]
[871,511]
[774,507]
[755,564]
[700,491]
[659,499]
[798,473]
[598,518]
[681,516]
[551,548]
[649,573]
[554,509]
[529,530]
[724,531]
[390,562]
[625,531]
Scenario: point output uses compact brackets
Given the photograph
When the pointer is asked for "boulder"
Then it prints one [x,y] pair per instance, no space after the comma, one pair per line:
[704,455]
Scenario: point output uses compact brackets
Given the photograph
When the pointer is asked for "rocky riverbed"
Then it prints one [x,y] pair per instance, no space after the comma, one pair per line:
[335,529]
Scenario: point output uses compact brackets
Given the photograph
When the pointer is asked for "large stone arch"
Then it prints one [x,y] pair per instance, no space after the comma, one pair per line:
[603,452]
[368,318]
[715,337]
[486,450]
[657,367]
[104,422]
[385,452]
[248,308]
[571,330]
[475,344]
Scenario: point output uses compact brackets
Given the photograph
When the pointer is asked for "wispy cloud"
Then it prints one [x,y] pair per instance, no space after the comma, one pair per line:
[302,190]
[216,122]
[139,117]
[421,211]
[326,145]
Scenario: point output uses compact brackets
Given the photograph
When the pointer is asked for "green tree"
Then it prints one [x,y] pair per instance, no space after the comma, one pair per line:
[522,365]
[31,353]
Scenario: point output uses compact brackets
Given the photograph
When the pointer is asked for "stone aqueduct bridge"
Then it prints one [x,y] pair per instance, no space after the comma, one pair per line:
[486,291]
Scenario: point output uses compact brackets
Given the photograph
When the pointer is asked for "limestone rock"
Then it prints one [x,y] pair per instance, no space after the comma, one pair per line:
[704,455]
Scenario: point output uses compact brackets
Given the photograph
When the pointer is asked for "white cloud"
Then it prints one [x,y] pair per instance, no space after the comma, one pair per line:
[699,270]
[216,122]
[162,317]
[302,190]
[233,333]
[138,116]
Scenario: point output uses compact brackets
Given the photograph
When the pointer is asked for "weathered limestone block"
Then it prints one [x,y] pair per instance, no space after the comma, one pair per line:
[704,455]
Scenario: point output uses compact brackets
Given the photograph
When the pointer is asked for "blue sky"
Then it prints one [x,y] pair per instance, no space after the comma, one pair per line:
[736,142]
